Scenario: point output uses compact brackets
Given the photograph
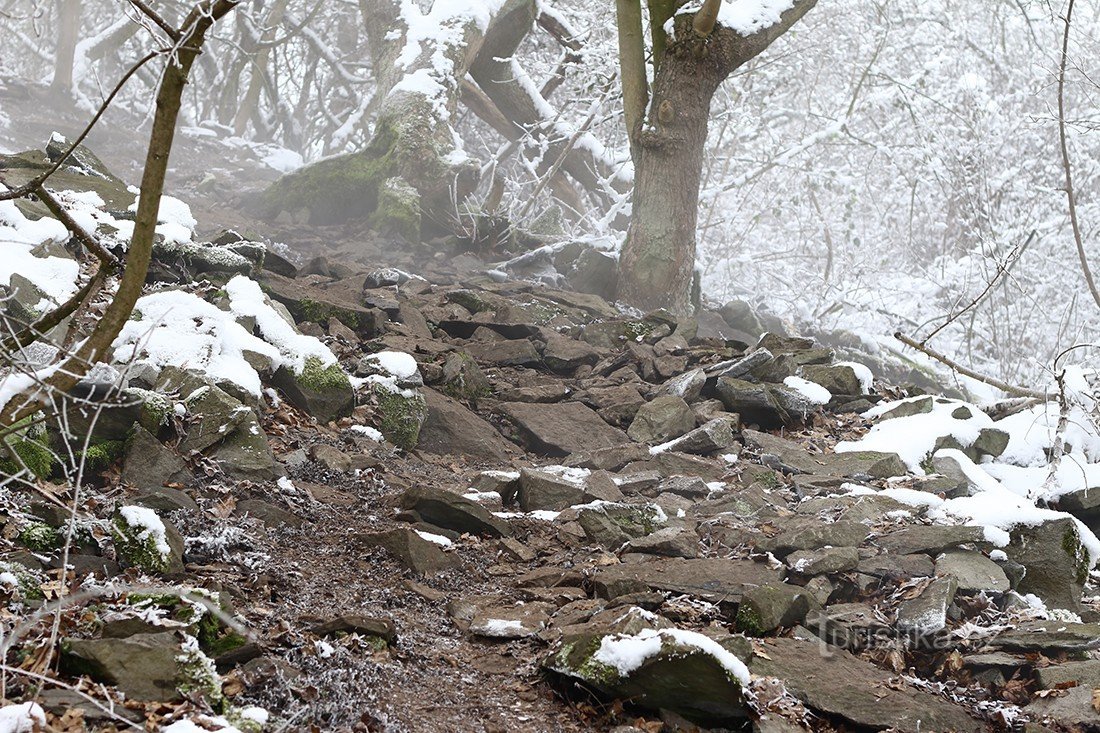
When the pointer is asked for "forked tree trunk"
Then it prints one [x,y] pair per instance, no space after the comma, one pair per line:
[658,257]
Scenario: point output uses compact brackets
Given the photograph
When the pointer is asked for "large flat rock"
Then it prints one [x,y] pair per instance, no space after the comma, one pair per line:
[838,683]
[451,429]
[714,579]
[560,429]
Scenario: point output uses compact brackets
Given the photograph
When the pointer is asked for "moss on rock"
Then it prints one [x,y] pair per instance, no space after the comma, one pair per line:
[403,414]
[26,446]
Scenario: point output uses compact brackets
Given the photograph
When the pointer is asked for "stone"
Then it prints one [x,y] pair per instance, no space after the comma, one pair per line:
[688,386]
[215,415]
[246,454]
[849,625]
[463,379]
[513,352]
[333,459]
[1056,564]
[451,429]
[560,429]
[892,568]
[837,378]
[667,542]
[1074,708]
[148,463]
[824,561]
[611,525]
[403,411]
[271,515]
[510,622]
[1085,674]
[539,490]
[1048,637]
[563,354]
[713,436]
[146,541]
[926,614]
[662,419]
[776,605]
[452,511]
[689,487]
[165,499]
[317,303]
[713,579]
[767,405]
[837,683]
[601,486]
[803,534]
[383,628]
[737,368]
[681,671]
[413,551]
[972,571]
[793,456]
[740,315]
[323,392]
[144,667]
[930,539]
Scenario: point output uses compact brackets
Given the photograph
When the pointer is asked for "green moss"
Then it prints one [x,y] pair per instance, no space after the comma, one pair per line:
[638,330]
[195,672]
[28,586]
[25,445]
[403,413]
[41,537]
[316,311]
[102,455]
[219,645]
[748,621]
[469,300]
[135,550]
[1072,546]
[397,211]
[320,378]
[156,409]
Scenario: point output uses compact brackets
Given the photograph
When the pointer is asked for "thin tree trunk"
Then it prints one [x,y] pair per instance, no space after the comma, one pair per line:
[67,36]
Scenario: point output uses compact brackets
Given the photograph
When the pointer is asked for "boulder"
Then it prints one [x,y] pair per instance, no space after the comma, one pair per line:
[324,392]
[972,571]
[560,429]
[413,551]
[929,539]
[713,579]
[713,436]
[666,417]
[510,622]
[687,386]
[824,561]
[146,541]
[146,667]
[451,429]
[793,457]
[1056,564]
[775,605]
[148,463]
[926,614]
[403,413]
[837,683]
[451,511]
[540,490]
[667,542]
[463,379]
[639,658]
[611,525]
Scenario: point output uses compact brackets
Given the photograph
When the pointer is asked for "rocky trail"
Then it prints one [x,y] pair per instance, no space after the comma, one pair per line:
[505,504]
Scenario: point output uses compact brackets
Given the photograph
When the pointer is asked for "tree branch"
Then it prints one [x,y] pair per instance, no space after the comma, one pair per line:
[947,361]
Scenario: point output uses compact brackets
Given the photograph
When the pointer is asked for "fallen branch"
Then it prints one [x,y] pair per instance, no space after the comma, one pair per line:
[954,365]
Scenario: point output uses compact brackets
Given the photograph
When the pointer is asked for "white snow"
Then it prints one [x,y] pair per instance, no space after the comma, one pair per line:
[863,374]
[626,653]
[367,432]
[397,364]
[812,391]
[435,538]
[148,524]
[24,717]
[744,16]
[914,437]
[174,220]
[501,627]
[180,329]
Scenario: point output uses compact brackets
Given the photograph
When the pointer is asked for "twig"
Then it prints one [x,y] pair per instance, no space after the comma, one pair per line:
[1071,198]
[154,16]
[1001,270]
[947,361]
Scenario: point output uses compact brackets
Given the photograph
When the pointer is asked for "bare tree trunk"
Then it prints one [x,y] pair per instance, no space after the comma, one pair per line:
[658,257]
[68,33]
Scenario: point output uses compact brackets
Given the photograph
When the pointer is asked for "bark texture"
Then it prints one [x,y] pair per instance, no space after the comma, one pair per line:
[658,258]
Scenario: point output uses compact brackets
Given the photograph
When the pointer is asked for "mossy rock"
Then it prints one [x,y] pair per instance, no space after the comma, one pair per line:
[398,210]
[403,414]
[463,378]
[325,392]
[153,549]
[41,538]
[26,584]
[26,446]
